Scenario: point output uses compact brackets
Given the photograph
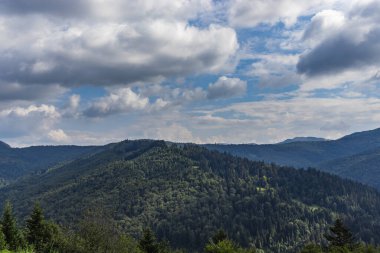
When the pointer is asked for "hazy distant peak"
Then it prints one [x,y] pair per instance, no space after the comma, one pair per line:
[302,139]
[367,135]
[4,145]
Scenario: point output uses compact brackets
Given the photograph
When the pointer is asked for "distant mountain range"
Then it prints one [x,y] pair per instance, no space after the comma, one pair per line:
[354,156]
[18,162]
[185,193]
[302,139]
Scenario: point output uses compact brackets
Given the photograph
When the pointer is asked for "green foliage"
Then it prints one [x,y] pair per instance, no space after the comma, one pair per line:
[340,236]
[355,156]
[97,234]
[149,244]
[226,246]
[9,228]
[35,226]
[219,236]
[312,248]
[3,243]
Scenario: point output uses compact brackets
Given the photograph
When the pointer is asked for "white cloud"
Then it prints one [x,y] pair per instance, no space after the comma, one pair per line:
[226,87]
[46,110]
[324,24]
[118,101]
[115,42]
[250,13]
[275,70]
[31,120]
[275,120]
[58,136]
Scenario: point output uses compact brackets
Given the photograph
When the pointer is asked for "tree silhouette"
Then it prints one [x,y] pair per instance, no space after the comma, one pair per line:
[340,235]
[9,228]
[35,227]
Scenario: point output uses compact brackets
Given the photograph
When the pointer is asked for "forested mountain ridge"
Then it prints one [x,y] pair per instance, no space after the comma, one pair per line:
[18,162]
[330,155]
[185,193]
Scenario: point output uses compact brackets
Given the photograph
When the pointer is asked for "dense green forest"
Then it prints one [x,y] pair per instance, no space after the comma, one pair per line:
[96,233]
[354,156]
[184,193]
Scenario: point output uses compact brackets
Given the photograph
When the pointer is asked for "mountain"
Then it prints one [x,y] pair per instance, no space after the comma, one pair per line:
[185,193]
[302,139]
[4,146]
[18,162]
[363,167]
[329,155]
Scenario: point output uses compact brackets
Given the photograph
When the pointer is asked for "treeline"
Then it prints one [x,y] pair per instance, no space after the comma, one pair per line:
[340,240]
[95,233]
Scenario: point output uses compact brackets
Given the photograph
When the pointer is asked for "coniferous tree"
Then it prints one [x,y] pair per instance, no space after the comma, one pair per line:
[9,228]
[219,236]
[3,244]
[35,227]
[148,242]
[340,235]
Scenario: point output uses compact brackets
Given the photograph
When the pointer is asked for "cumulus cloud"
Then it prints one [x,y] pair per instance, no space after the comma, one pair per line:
[226,87]
[118,101]
[58,135]
[134,41]
[72,107]
[355,44]
[33,119]
[250,13]
[324,24]
[275,70]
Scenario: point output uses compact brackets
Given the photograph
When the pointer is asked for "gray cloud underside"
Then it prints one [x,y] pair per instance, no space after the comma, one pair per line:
[355,45]
[56,7]
[70,72]
[340,53]
[14,91]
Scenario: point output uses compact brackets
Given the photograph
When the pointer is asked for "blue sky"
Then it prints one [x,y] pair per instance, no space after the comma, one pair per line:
[234,71]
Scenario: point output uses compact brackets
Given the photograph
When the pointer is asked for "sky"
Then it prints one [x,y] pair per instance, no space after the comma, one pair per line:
[206,71]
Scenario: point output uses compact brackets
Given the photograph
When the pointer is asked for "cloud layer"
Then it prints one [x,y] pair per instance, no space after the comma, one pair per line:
[95,71]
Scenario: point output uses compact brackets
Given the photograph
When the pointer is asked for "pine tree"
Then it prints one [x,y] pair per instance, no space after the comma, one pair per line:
[340,235]
[3,244]
[219,236]
[9,228]
[148,243]
[35,227]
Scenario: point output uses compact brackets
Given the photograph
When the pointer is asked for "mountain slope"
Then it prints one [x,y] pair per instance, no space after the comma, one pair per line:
[330,156]
[18,162]
[186,192]
[363,167]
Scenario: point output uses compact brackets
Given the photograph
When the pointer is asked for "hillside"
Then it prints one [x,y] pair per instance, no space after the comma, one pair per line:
[18,162]
[363,167]
[187,193]
[330,156]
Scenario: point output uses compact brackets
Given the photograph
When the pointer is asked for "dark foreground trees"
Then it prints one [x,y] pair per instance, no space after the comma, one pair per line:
[340,236]
[340,240]
[97,233]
